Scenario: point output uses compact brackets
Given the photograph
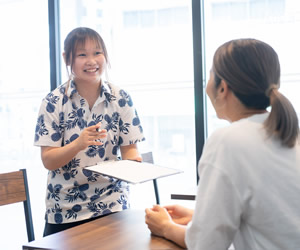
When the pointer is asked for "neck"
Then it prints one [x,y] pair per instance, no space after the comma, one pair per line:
[90,92]
[245,113]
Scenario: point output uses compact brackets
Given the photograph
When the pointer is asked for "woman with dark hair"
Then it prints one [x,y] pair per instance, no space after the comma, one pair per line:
[81,123]
[248,193]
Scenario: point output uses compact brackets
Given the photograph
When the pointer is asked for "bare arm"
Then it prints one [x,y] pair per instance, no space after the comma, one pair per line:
[130,152]
[56,157]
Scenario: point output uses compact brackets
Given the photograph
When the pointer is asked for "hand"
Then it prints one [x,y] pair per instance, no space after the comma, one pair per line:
[180,214]
[90,136]
[137,158]
[158,220]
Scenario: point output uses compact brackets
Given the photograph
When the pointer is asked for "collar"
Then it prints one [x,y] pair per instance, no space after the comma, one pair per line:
[105,92]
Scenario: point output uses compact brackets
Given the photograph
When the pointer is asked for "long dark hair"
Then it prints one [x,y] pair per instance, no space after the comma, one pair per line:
[252,71]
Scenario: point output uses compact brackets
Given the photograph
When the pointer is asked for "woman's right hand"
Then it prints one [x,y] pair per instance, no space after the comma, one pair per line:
[179,214]
[90,136]
[56,157]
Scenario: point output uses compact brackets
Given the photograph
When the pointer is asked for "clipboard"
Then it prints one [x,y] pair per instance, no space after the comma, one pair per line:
[132,171]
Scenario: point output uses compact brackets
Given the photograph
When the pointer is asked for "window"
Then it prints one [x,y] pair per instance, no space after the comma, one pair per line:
[151,57]
[275,22]
[24,81]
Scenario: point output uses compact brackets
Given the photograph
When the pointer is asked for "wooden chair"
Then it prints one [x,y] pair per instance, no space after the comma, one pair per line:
[13,189]
[148,157]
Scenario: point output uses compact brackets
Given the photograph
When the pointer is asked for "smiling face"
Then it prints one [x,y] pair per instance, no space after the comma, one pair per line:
[89,63]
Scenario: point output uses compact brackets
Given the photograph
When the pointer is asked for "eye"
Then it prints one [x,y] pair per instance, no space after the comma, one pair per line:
[99,53]
[82,54]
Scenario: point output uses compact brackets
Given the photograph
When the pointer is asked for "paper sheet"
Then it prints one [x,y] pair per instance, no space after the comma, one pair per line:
[132,171]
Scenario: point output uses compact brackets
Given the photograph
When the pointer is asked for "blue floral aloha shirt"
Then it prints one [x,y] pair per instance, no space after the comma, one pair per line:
[74,193]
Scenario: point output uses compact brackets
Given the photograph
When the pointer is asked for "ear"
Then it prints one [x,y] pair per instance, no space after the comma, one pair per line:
[64,56]
[223,89]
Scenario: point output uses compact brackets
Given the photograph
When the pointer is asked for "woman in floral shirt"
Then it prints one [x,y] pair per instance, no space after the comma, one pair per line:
[82,122]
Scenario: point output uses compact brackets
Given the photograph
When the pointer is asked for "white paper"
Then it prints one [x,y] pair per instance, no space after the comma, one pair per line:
[132,171]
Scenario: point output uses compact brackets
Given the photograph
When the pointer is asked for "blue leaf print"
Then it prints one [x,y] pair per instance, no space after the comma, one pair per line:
[101,150]
[40,128]
[115,117]
[123,202]
[83,187]
[82,102]
[124,127]
[92,176]
[106,211]
[52,99]
[56,136]
[80,112]
[95,197]
[112,204]
[61,120]
[122,102]
[109,97]
[93,208]
[120,140]
[115,150]
[76,118]
[107,118]
[77,192]
[114,187]
[54,191]
[92,151]
[72,138]
[112,121]
[50,107]
[125,99]
[73,212]
[135,121]
[96,119]
[57,216]
[70,170]
[115,144]
[53,173]
[65,99]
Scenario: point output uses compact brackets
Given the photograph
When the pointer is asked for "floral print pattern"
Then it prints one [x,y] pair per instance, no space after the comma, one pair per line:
[73,192]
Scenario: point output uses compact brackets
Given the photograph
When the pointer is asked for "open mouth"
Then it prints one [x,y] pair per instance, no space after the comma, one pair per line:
[91,70]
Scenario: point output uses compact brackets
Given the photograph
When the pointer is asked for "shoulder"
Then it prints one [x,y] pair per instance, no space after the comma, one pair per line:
[115,89]
[237,141]
[56,93]
[54,99]
[239,133]
[118,94]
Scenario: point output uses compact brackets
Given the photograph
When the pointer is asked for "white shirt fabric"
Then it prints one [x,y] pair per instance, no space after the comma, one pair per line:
[74,193]
[248,193]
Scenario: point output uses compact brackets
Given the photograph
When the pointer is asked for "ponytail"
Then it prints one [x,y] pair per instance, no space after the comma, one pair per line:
[283,120]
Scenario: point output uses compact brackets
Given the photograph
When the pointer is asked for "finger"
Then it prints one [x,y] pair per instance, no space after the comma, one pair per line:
[96,143]
[156,208]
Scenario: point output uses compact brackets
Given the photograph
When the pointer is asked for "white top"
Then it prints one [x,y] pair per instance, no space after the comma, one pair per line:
[248,193]
[74,193]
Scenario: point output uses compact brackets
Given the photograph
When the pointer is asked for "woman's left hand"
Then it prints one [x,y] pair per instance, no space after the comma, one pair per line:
[158,220]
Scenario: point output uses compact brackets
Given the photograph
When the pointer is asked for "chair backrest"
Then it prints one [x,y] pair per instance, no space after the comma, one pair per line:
[148,157]
[13,189]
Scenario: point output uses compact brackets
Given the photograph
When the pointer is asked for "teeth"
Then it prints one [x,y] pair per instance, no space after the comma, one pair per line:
[91,70]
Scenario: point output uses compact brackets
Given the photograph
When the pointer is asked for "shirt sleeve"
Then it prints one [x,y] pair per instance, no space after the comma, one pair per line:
[218,208]
[131,130]
[49,129]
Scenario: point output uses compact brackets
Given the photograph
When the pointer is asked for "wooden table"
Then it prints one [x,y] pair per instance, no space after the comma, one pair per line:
[119,231]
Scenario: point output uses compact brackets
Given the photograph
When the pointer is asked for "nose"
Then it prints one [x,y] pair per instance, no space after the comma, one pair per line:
[91,61]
